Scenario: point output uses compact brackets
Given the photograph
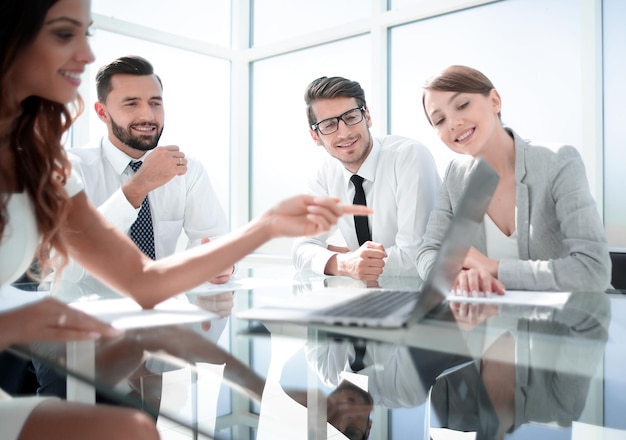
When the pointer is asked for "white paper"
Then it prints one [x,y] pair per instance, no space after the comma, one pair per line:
[522,297]
[449,434]
[11,297]
[241,284]
[125,313]
[584,431]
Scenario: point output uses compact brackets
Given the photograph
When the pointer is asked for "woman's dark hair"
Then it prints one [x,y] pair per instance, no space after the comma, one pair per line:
[457,78]
[32,130]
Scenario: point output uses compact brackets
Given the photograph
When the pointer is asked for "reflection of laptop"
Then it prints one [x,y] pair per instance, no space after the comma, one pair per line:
[397,308]
[457,394]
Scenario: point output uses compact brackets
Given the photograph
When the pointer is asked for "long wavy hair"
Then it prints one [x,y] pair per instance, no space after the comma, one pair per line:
[33,130]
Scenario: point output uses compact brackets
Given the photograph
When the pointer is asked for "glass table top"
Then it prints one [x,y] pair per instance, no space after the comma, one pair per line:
[482,370]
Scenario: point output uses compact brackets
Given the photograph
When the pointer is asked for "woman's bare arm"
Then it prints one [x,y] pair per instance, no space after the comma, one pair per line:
[112,257]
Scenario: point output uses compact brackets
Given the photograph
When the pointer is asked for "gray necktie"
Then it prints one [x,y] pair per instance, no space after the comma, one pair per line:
[141,232]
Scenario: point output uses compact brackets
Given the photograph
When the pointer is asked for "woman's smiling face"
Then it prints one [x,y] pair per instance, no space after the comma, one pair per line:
[465,122]
[51,66]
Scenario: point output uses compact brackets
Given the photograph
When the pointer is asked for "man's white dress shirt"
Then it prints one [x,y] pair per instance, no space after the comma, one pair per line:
[392,378]
[401,186]
[186,202]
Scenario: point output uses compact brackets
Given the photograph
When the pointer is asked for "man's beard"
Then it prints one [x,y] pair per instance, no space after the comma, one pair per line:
[141,143]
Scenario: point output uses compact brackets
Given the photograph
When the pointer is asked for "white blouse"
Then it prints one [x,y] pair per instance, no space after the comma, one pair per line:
[500,245]
[20,237]
[18,245]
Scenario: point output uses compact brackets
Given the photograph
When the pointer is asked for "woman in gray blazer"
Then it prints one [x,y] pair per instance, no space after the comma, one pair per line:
[542,230]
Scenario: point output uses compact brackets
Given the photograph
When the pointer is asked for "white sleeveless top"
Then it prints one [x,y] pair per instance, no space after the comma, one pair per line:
[18,245]
[20,238]
[500,245]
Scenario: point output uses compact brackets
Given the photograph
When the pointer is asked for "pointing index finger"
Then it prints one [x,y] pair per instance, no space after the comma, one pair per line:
[356,210]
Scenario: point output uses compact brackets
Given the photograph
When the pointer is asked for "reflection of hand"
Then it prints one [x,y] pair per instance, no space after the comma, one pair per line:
[301,396]
[469,315]
[374,284]
[223,277]
[477,282]
[124,358]
[177,340]
[366,263]
[222,304]
[120,358]
[50,320]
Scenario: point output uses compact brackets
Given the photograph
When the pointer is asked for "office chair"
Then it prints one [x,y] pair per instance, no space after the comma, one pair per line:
[618,272]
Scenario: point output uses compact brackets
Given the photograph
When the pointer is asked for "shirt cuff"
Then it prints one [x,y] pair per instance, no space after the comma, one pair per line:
[318,264]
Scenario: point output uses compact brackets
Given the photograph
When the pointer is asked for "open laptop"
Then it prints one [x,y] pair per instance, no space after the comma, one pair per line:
[386,308]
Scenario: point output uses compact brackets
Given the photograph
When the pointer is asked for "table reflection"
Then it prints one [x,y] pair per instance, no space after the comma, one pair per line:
[523,365]
[130,360]
[47,355]
[130,369]
[519,365]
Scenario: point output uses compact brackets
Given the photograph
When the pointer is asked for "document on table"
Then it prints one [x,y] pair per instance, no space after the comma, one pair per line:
[450,434]
[584,431]
[11,297]
[247,283]
[523,297]
[125,313]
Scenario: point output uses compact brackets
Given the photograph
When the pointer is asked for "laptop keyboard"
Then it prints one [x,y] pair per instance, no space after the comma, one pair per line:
[377,304]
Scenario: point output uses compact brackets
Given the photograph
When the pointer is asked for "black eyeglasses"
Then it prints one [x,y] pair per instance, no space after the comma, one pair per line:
[331,125]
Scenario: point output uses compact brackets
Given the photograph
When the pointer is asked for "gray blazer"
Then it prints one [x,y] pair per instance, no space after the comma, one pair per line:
[561,240]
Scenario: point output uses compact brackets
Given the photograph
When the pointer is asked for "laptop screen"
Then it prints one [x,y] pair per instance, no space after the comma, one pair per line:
[458,240]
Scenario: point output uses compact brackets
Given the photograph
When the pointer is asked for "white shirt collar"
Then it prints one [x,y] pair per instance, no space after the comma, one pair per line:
[118,159]
[367,170]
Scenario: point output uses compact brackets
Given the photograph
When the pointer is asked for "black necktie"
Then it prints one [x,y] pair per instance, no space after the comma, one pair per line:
[141,232]
[359,353]
[361,222]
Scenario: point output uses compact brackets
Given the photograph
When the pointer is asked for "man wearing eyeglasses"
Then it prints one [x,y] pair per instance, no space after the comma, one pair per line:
[399,182]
